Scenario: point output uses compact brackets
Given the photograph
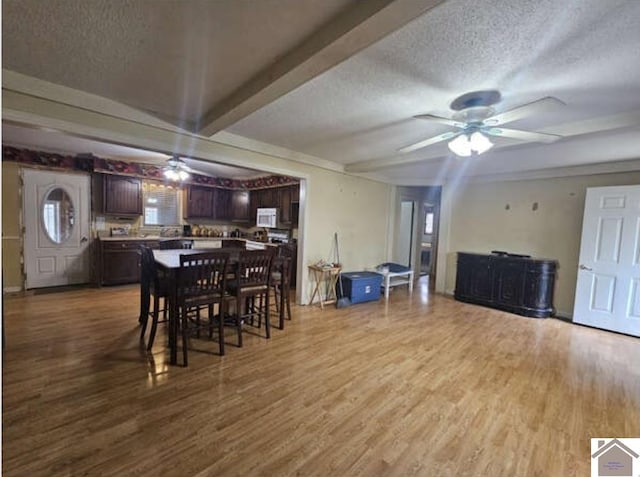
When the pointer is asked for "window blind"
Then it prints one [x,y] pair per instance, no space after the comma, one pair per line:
[161,204]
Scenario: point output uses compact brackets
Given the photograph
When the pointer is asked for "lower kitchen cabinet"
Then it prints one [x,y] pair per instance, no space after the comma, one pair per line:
[120,260]
[517,284]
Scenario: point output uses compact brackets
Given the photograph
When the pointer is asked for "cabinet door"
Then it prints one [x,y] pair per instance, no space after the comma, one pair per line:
[474,278]
[538,288]
[240,206]
[222,204]
[120,262]
[509,282]
[286,196]
[481,279]
[122,195]
[199,202]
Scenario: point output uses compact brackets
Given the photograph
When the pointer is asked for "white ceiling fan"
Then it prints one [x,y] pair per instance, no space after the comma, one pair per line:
[476,119]
[177,170]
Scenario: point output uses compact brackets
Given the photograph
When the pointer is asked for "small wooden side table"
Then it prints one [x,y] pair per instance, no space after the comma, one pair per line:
[324,276]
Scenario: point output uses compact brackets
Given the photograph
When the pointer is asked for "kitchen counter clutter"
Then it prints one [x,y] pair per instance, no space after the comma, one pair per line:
[196,240]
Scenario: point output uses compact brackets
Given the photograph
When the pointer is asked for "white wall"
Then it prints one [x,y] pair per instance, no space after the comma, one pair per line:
[500,216]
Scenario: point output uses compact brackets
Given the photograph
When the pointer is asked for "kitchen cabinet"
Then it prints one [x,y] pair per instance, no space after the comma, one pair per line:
[275,197]
[222,200]
[122,195]
[120,260]
[516,284]
[240,206]
[199,202]
[288,196]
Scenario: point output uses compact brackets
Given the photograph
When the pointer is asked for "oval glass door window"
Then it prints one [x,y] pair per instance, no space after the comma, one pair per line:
[58,215]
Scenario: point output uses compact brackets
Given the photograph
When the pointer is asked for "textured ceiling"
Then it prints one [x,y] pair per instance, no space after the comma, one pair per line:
[179,59]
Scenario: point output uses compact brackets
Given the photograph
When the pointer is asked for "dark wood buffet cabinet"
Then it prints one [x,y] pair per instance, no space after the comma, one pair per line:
[517,284]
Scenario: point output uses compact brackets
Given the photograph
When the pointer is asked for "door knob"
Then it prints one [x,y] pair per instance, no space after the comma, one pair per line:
[83,239]
[582,267]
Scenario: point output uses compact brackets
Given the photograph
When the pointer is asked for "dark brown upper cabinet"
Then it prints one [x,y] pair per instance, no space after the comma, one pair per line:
[288,196]
[122,195]
[199,202]
[240,206]
[222,204]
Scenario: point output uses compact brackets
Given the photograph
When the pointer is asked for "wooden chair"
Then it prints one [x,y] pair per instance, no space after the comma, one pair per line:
[201,283]
[156,286]
[281,282]
[176,244]
[250,289]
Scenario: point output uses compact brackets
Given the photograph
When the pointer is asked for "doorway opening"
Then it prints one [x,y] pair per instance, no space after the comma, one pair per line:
[417,233]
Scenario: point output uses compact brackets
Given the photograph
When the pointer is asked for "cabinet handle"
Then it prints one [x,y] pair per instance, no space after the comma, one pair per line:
[582,267]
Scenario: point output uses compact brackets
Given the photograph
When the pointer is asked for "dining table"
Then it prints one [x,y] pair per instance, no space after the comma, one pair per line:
[168,263]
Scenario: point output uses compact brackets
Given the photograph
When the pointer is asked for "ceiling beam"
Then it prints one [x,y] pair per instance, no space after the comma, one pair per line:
[356,28]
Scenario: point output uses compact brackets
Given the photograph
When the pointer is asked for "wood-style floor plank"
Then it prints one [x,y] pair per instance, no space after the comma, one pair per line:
[421,386]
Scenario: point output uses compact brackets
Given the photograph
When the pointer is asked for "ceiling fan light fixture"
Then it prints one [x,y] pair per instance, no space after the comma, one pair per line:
[176,175]
[480,143]
[460,146]
[466,144]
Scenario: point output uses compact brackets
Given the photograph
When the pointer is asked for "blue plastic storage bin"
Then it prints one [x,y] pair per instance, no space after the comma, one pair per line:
[361,286]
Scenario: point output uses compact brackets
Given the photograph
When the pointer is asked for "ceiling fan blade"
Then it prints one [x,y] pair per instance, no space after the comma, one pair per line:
[441,120]
[535,107]
[431,140]
[522,135]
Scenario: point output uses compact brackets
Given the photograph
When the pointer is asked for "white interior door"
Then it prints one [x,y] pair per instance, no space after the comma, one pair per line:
[56,217]
[608,287]
[405,233]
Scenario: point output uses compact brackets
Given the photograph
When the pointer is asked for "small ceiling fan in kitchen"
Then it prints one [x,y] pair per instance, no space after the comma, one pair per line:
[177,170]
[475,120]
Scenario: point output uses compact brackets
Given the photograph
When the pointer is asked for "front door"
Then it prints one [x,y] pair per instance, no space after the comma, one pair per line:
[608,286]
[56,217]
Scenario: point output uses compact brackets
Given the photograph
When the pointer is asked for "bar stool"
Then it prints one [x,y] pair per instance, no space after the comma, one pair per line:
[281,283]
[250,288]
[201,284]
[157,286]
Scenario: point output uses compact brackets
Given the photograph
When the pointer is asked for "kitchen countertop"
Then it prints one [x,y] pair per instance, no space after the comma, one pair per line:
[140,238]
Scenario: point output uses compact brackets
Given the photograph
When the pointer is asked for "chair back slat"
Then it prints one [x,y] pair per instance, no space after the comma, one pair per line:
[202,274]
[254,267]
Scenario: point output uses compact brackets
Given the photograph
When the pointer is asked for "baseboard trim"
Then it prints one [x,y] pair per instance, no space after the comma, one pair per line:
[564,316]
[11,290]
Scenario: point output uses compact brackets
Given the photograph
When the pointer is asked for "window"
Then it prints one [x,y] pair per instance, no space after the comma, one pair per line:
[161,204]
[428,223]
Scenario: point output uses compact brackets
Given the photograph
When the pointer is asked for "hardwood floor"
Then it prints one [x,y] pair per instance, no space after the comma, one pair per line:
[424,386]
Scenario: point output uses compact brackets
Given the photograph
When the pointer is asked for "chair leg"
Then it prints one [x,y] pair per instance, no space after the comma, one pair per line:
[211,318]
[143,323]
[287,300]
[266,315]
[221,328]
[239,321]
[185,334]
[154,322]
[281,310]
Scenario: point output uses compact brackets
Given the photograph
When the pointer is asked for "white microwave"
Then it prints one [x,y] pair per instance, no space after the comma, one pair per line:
[266,217]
